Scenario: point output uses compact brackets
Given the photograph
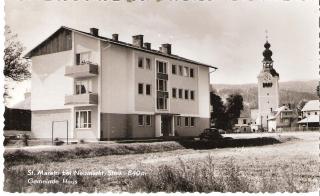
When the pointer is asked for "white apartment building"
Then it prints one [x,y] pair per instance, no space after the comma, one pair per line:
[85,86]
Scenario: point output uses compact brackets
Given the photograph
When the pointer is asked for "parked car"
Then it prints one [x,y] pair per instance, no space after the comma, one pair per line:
[210,134]
[221,131]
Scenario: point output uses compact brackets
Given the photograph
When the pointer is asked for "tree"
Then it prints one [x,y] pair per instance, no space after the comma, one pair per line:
[15,66]
[218,111]
[234,106]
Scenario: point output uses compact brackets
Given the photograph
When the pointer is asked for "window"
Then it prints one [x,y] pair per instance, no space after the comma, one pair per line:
[140,120]
[148,63]
[191,72]
[161,67]
[180,70]
[192,121]
[186,94]
[174,92]
[179,121]
[140,88]
[186,121]
[162,103]
[82,87]
[140,62]
[161,85]
[83,119]
[83,58]
[185,71]
[148,120]
[174,71]
[266,85]
[180,93]
[316,113]
[148,89]
[244,121]
[78,59]
[192,95]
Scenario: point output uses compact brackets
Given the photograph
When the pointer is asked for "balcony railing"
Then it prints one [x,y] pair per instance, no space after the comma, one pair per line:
[162,94]
[81,99]
[83,70]
[162,76]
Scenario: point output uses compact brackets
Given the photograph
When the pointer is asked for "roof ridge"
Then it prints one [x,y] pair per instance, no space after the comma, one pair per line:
[125,44]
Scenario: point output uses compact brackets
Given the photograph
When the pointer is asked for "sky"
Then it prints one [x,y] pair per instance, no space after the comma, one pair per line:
[224,33]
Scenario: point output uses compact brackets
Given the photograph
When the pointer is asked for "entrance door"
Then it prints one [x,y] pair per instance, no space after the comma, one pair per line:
[165,125]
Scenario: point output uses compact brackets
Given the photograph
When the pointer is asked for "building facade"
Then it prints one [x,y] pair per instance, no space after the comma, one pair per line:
[243,123]
[86,86]
[310,115]
[282,119]
[268,88]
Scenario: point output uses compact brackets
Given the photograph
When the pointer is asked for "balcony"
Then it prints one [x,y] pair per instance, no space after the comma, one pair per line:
[81,99]
[83,70]
[162,76]
[162,94]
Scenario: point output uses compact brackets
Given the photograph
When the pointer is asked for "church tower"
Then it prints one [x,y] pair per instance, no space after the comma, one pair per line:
[268,88]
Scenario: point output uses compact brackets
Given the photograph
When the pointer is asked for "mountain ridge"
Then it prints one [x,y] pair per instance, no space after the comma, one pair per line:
[291,92]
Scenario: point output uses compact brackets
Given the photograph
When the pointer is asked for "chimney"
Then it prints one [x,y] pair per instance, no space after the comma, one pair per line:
[94,31]
[137,40]
[147,45]
[115,37]
[166,48]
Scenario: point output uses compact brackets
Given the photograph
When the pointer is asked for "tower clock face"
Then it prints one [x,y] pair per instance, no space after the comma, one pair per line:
[267,78]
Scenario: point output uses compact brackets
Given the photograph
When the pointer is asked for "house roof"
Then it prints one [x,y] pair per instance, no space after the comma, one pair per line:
[124,44]
[278,111]
[310,119]
[311,105]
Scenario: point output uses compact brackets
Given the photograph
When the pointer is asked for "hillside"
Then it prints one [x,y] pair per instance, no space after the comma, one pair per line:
[290,92]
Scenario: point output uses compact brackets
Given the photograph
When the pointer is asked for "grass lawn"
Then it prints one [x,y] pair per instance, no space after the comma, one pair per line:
[289,166]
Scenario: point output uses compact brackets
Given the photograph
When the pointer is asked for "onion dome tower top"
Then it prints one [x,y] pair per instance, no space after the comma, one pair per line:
[267,60]
[267,53]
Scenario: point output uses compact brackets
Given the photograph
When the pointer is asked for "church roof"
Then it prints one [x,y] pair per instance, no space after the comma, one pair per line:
[273,72]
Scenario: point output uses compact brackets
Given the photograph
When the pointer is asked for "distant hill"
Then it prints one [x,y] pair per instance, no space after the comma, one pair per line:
[290,92]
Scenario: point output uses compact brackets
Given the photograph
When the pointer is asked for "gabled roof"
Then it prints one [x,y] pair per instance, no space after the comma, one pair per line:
[311,106]
[310,119]
[278,111]
[124,44]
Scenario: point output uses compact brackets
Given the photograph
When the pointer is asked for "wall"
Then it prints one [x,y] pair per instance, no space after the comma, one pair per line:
[184,106]
[49,85]
[84,43]
[114,126]
[117,79]
[204,92]
[200,125]
[41,123]
[136,131]
[144,103]
[267,97]
[87,133]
